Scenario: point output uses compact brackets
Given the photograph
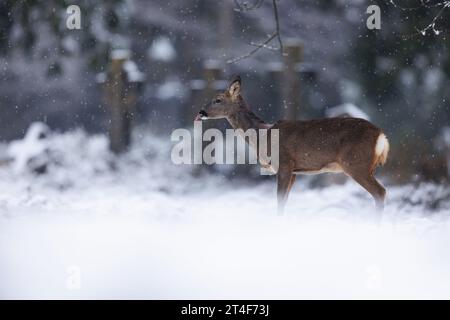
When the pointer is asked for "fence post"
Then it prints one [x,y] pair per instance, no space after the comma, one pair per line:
[290,85]
[212,73]
[203,90]
[120,89]
[273,96]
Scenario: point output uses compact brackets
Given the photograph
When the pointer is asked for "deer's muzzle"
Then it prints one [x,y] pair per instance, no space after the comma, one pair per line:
[201,115]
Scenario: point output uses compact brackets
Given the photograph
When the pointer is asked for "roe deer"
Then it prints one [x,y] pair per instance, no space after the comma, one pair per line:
[349,145]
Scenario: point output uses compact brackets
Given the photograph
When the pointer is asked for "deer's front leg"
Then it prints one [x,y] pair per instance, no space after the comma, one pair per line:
[285,181]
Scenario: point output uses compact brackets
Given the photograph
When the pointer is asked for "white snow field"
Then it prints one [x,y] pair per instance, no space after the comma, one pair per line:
[146,229]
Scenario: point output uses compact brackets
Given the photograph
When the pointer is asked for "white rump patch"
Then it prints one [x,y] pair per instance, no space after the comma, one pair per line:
[382,144]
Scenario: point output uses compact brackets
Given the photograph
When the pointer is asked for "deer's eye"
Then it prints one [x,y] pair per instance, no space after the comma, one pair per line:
[218,101]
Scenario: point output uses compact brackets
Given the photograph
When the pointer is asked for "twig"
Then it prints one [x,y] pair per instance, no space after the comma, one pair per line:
[424,4]
[433,22]
[432,25]
[261,45]
[277,24]
[264,44]
[245,7]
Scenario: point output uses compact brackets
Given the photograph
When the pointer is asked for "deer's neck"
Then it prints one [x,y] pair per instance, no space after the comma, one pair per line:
[245,119]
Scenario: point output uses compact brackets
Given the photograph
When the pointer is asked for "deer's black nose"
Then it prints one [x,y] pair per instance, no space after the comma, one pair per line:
[201,115]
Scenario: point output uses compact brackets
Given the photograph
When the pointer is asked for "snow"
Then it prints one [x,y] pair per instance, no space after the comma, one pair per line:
[120,54]
[140,227]
[433,79]
[172,88]
[129,66]
[446,136]
[33,145]
[101,77]
[132,71]
[444,142]
[348,109]
[162,50]
[197,84]
[70,44]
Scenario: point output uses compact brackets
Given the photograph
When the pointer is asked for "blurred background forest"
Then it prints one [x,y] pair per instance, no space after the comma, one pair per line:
[177,54]
[87,186]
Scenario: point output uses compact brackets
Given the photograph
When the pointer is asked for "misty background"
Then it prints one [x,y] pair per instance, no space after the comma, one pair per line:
[397,76]
[91,205]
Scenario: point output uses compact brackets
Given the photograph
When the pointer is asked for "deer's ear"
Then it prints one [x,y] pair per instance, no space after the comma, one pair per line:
[235,87]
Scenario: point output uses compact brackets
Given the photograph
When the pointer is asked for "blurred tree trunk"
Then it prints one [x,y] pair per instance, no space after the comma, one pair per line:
[225,24]
[120,101]
[293,51]
[6,23]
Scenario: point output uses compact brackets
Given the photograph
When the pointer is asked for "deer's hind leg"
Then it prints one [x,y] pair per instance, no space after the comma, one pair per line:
[364,176]
[285,181]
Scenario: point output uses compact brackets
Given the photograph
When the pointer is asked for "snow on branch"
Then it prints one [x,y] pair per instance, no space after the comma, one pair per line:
[246,6]
[442,5]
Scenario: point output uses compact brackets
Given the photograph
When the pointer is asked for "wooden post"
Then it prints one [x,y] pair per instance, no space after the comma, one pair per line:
[290,85]
[309,93]
[120,95]
[203,90]
[273,94]
[212,73]
[195,102]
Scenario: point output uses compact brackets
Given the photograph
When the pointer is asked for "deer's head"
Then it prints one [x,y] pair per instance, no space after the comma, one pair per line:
[224,104]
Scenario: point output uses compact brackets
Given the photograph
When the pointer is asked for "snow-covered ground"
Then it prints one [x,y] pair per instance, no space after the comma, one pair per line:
[143,228]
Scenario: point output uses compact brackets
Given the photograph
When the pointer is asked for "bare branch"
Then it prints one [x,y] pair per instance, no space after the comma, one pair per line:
[277,24]
[245,6]
[425,4]
[265,46]
[433,22]
[261,45]
[276,34]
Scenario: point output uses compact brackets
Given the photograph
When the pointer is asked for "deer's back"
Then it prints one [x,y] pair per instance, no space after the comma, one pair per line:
[313,144]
